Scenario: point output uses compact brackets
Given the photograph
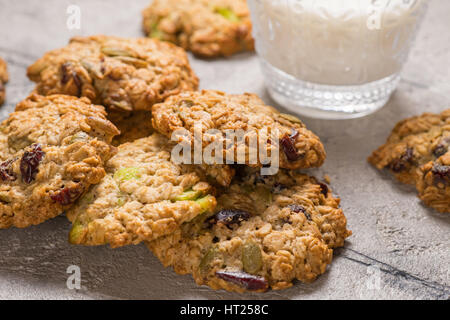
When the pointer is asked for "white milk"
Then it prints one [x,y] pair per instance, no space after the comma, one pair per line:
[336,42]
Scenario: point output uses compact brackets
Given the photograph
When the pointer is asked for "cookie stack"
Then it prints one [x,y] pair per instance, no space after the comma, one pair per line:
[96,140]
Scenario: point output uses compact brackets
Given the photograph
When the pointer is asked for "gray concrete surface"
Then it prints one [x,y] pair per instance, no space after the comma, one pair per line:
[393,232]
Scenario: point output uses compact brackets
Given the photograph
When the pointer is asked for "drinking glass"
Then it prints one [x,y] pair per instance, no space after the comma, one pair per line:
[334,59]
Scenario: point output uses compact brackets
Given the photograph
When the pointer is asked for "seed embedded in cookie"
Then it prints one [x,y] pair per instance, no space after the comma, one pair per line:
[417,152]
[218,114]
[207,28]
[121,74]
[145,195]
[51,150]
[252,242]
[4,77]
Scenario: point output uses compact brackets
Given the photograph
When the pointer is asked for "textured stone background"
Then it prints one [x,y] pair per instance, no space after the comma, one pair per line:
[392,230]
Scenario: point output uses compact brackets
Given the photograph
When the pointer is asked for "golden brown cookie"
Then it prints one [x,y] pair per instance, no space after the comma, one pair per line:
[266,232]
[417,152]
[143,196]
[122,74]
[3,79]
[296,146]
[208,28]
[51,150]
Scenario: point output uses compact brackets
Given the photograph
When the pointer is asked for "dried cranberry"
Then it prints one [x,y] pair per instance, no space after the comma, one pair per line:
[440,150]
[245,280]
[66,75]
[65,72]
[288,144]
[231,216]
[323,189]
[400,164]
[66,195]
[6,173]
[77,81]
[298,208]
[441,172]
[30,162]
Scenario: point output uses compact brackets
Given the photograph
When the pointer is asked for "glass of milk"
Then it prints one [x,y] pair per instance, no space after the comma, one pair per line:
[334,59]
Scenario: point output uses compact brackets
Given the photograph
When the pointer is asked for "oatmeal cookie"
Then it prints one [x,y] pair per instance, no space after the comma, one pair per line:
[143,196]
[207,28]
[132,125]
[123,74]
[418,152]
[246,113]
[51,150]
[3,79]
[413,142]
[267,231]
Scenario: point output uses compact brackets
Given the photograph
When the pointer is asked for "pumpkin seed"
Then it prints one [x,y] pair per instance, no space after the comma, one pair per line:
[139,63]
[207,259]
[251,257]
